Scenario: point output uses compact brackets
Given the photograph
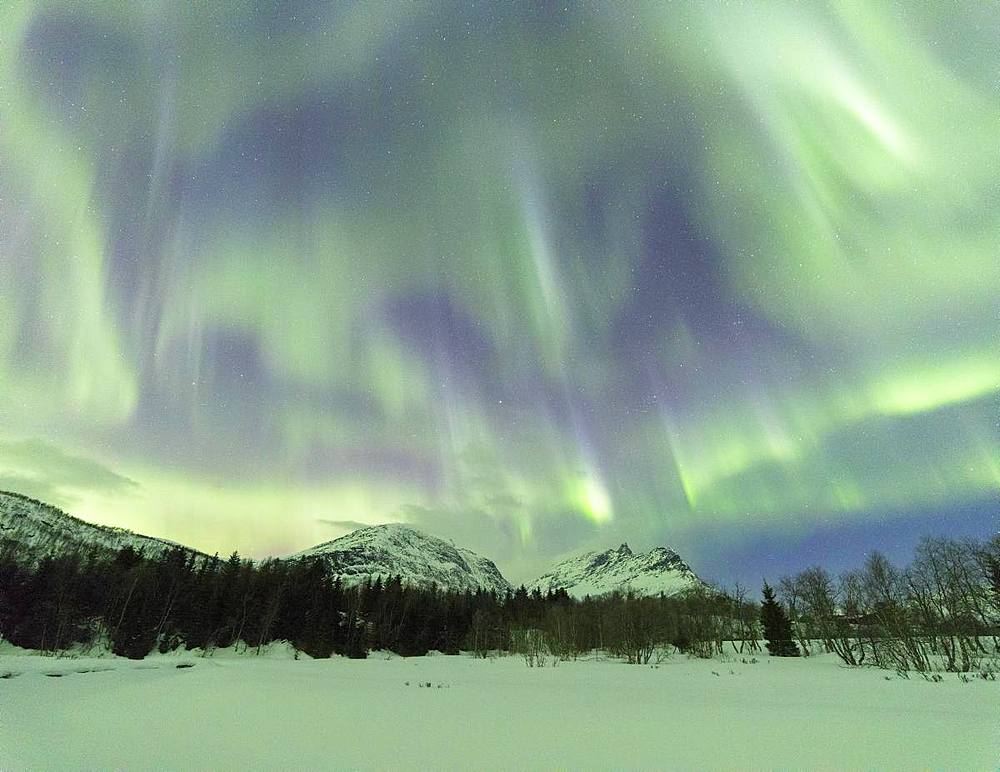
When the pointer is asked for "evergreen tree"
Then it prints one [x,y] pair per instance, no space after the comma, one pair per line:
[777,626]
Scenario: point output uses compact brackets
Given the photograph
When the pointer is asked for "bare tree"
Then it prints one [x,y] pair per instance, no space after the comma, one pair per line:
[747,615]
[944,583]
[791,595]
[531,644]
[826,620]
[560,625]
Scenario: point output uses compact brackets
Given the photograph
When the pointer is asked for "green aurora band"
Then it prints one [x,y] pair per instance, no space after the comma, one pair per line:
[533,277]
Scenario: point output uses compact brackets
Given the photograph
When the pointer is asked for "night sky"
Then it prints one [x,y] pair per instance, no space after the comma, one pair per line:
[538,277]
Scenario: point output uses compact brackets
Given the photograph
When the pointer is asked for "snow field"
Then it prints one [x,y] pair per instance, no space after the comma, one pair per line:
[274,712]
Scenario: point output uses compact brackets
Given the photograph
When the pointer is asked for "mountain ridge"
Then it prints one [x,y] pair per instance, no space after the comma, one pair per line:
[660,570]
[37,529]
[393,549]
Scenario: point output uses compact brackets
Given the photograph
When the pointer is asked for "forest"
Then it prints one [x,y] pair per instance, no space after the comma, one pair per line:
[942,611]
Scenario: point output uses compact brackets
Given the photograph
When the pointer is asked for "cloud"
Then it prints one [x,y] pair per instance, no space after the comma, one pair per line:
[344,525]
[33,488]
[37,468]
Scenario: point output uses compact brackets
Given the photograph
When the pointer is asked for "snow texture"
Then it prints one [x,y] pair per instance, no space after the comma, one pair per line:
[399,550]
[231,712]
[40,529]
[660,570]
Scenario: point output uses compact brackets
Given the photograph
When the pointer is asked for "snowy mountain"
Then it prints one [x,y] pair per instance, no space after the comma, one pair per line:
[35,529]
[399,550]
[597,573]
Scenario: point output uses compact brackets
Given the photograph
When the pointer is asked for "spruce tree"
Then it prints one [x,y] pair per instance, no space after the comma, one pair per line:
[777,626]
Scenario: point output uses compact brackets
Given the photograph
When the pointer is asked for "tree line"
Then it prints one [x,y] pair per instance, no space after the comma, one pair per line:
[944,606]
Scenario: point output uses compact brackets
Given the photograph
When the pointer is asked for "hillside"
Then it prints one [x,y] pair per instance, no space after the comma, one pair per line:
[400,550]
[36,529]
[661,570]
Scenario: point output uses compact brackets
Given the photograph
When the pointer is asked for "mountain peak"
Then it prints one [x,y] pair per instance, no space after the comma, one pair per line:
[661,570]
[392,549]
[399,549]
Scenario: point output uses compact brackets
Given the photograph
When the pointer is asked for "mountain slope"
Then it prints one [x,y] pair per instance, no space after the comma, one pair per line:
[36,529]
[597,573]
[399,550]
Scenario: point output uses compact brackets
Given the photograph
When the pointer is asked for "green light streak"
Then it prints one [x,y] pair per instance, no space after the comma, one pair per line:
[827,173]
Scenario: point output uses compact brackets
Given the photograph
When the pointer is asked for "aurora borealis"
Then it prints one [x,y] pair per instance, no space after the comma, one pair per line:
[534,276]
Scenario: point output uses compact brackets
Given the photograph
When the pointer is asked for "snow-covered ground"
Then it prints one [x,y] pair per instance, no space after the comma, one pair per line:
[273,712]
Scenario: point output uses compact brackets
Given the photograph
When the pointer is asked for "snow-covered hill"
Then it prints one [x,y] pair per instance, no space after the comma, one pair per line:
[597,573]
[36,529]
[399,550]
